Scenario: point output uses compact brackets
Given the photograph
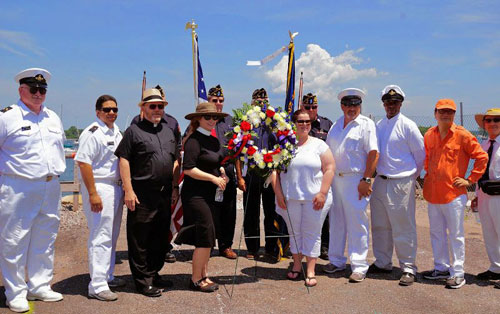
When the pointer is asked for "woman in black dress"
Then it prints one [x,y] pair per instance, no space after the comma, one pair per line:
[202,176]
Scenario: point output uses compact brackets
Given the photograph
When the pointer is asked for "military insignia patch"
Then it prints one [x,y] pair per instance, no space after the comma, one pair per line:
[4,110]
[93,129]
[111,143]
[392,92]
[39,77]
[26,128]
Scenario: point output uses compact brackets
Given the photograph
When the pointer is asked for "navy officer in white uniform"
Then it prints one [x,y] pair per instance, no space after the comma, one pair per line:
[102,196]
[392,204]
[353,142]
[31,160]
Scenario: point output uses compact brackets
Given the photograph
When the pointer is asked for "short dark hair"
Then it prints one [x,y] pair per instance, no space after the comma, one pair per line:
[102,99]
[297,113]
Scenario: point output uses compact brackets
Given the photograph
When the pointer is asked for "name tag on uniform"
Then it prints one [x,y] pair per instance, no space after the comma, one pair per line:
[26,128]
[111,143]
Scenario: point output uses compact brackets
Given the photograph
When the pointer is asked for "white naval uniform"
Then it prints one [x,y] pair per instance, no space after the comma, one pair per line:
[31,159]
[392,202]
[348,217]
[489,209]
[96,148]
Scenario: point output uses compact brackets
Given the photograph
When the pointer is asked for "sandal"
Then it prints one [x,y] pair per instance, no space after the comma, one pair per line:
[213,284]
[295,275]
[308,279]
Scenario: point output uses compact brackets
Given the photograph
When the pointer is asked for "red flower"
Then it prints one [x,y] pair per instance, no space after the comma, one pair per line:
[251,150]
[270,113]
[277,151]
[230,144]
[234,136]
[245,126]
[268,158]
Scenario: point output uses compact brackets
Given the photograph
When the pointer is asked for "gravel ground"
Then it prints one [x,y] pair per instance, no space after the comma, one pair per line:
[261,287]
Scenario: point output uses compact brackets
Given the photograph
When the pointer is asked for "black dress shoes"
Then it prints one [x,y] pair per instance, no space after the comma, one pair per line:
[151,291]
[162,283]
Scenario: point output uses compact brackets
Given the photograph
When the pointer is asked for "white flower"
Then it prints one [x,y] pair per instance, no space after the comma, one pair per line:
[244,117]
[237,129]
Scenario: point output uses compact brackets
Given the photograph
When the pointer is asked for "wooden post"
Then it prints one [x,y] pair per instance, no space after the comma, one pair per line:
[75,180]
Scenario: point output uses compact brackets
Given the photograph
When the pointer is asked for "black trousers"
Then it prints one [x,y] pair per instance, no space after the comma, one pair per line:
[251,221]
[147,233]
[325,233]
[225,217]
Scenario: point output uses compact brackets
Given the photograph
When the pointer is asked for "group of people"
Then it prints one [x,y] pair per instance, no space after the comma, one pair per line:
[339,168]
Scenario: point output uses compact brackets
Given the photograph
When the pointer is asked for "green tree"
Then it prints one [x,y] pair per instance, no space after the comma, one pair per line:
[73,132]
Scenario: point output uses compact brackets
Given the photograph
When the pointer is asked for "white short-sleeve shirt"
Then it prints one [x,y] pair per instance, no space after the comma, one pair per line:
[350,145]
[401,147]
[31,145]
[97,145]
[302,180]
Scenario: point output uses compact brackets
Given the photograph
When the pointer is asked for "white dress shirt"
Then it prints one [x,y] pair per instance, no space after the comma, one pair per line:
[350,145]
[31,145]
[494,170]
[401,147]
[97,145]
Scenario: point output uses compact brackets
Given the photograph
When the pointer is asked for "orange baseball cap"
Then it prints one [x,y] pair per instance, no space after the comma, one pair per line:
[446,104]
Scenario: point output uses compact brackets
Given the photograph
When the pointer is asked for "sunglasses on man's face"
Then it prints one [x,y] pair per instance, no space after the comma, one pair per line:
[34,89]
[208,117]
[446,111]
[303,121]
[220,101]
[109,109]
[311,107]
[154,106]
[489,120]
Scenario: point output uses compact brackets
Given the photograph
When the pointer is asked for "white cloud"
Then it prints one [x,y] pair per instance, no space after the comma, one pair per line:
[19,43]
[324,74]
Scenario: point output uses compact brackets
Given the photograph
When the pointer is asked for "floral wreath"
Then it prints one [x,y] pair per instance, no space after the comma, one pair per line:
[242,138]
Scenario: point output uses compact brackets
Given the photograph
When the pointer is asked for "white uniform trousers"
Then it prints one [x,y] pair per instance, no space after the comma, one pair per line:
[348,220]
[304,225]
[29,221]
[392,207]
[104,228]
[489,213]
[448,217]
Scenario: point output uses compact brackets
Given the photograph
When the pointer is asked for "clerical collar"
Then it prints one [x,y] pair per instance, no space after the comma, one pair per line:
[203,131]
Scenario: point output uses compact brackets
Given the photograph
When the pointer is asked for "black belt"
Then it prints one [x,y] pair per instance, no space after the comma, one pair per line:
[384,177]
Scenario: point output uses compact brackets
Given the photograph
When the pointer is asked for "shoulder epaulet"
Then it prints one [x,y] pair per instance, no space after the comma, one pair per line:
[93,129]
[4,110]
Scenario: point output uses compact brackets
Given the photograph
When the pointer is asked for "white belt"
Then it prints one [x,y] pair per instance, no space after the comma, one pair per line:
[45,178]
[112,181]
[347,174]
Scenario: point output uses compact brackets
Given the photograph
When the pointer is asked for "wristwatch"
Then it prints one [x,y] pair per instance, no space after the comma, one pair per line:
[367,180]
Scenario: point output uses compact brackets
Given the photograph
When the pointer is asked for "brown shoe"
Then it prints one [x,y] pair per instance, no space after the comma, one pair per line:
[228,253]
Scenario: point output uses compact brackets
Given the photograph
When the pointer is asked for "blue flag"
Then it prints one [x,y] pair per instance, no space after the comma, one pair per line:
[290,81]
[202,92]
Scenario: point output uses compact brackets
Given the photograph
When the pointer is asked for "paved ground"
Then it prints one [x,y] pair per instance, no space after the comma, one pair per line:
[261,287]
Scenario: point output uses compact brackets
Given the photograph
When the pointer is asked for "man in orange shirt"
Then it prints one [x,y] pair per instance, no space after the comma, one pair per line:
[448,149]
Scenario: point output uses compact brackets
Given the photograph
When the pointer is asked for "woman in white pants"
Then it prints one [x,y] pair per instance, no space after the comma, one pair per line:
[304,197]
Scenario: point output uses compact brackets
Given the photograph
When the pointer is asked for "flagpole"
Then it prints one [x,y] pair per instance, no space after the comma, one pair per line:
[191,25]
[143,84]
[301,87]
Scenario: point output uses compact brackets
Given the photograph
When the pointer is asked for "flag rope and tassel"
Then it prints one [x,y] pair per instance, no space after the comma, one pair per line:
[301,87]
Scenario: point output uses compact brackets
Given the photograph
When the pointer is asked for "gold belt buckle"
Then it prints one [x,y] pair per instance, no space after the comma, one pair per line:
[341,174]
[48,178]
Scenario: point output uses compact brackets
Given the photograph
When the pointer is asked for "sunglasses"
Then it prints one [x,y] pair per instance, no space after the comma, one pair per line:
[220,101]
[109,109]
[310,107]
[34,89]
[446,111]
[208,117]
[303,121]
[154,106]
[489,120]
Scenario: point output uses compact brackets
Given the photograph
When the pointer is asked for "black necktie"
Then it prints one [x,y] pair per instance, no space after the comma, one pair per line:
[486,175]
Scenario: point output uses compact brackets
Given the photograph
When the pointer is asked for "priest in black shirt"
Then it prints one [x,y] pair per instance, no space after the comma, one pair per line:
[147,154]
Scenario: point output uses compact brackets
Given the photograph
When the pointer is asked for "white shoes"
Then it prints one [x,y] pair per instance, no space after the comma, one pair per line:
[18,305]
[46,296]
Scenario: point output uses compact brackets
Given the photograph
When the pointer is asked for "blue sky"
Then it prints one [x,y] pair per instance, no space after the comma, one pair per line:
[432,49]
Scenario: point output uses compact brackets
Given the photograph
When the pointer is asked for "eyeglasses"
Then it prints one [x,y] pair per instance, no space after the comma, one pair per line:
[446,111]
[489,120]
[34,89]
[303,121]
[153,106]
[208,117]
[220,101]
[109,109]
[310,107]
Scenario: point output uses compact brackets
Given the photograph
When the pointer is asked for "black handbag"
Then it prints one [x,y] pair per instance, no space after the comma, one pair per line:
[490,187]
